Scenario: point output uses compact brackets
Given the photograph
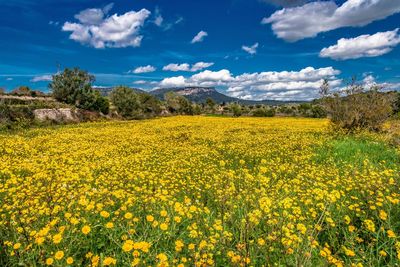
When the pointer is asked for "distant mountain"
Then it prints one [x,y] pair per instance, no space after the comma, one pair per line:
[200,95]
[105,91]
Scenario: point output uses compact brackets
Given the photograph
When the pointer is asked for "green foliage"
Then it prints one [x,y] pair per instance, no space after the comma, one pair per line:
[91,100]
[17,116]
[74,86]
[396,106]
[210,103]
[149,104]
[178,104]
[236,109]
[358,108]
[263,112]
[21,91]
[126,101]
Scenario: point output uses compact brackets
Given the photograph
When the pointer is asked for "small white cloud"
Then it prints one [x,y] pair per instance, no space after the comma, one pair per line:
[9,79]
[173,82]
[140,82]
[252,50]
[42,78]
[186,67]
[143,69]
[296,23]
[177,67]
[158,17]
[97,30]
[212,76]
[199,37]
[363,46]
[201,65]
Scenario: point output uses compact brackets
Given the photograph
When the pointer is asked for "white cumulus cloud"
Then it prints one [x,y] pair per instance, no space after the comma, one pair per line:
[199,37]
[144,69]
[252,50]
[173,82]
[296,23]
[177,67]
[186,66]
[363,46]
[98,30]
[42,78]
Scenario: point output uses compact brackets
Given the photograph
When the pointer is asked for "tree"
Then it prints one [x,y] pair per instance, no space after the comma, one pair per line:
[396,108]
[126,101]
[210,104]
[2,91]
[22,91]
[150,105]
[178,104]
[69,84]
[74,87]
[263,112]
[357,107]
[236,109]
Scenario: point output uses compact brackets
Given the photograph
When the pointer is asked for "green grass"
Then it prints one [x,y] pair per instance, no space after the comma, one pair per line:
[355,150]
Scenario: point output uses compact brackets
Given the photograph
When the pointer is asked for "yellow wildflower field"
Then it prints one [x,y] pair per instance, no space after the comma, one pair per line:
[193,191]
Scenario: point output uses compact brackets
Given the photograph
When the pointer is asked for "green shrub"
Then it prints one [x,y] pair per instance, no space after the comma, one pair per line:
[126,102]
[357,107]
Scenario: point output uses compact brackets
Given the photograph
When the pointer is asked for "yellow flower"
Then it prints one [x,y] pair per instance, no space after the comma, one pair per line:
[369,225]
[109,261]
[49,261]
[86,229]
[104,214]
[128,215]
[347,219]
[164,226]
[164,213]
[109,225]
[70,260]
[391,234]
[261,242]
[149,218]
[162,257]
[57,238]
[127,246]
[383,215]
[349,252]
[59,255]
[382,253]
[17,246]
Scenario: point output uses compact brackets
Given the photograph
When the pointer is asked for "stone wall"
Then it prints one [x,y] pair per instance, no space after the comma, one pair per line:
[58,115]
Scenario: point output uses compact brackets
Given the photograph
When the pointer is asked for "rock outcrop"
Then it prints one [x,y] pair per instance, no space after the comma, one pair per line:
[57,115]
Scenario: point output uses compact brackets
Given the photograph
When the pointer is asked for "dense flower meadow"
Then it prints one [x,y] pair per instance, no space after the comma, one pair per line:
[193,191]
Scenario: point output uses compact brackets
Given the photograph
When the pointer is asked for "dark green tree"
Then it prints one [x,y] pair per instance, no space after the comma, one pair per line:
[126,101]
[74,87]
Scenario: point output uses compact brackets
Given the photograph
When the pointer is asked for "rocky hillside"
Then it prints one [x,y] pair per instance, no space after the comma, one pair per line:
[197,94]
[200,95]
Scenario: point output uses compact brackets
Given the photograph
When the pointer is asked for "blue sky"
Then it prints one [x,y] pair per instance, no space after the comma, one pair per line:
[253,49]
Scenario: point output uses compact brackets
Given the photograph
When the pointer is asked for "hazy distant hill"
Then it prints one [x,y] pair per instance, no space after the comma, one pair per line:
[105,91]
[198,95]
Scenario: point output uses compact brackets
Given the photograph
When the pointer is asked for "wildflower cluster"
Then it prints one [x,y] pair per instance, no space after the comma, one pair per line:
[192,191]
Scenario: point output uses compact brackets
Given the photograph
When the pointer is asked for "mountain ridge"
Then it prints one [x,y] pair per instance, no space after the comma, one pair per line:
[199,94]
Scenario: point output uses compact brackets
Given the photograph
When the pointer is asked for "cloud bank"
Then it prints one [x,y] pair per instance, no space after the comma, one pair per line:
[293,24]
[284,85]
